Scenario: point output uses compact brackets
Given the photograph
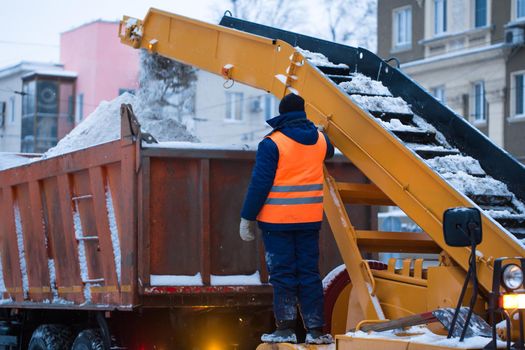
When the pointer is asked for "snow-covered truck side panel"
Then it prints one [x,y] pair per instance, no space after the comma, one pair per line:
[67,236]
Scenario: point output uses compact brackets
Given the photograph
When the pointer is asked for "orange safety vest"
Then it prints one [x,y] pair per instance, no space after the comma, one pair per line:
[297,192]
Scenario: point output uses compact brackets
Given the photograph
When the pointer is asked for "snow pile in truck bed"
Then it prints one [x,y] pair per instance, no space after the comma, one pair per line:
[9,160]
[383,104]
[360,83]
[318,59]
[103,125]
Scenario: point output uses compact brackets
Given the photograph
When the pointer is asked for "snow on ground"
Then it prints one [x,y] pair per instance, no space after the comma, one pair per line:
[383,104]
[103,125]
[9,160]
[360,83]
[422,335]
[318,59]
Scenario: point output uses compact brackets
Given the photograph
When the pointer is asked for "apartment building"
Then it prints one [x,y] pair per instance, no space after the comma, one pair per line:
[470,54]
[41,102]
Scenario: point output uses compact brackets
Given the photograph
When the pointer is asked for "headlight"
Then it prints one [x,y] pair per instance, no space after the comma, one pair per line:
[512,276]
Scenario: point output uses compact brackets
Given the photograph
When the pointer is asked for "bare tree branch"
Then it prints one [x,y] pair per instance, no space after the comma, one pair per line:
[285,14]
[351,22]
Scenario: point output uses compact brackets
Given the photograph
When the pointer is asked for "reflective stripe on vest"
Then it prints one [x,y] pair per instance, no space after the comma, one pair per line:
[297,192]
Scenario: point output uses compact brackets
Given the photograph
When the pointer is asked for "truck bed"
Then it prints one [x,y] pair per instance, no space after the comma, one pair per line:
[119,225]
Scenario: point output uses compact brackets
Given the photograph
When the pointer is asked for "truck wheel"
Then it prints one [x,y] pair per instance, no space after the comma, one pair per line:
[337,288]
[89,339]
[51,337]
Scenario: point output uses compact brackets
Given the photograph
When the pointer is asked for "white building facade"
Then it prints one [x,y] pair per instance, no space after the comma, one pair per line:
[11,93]
[233,114]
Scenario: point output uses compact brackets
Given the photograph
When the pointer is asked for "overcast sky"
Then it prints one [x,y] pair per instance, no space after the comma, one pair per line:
[31,28]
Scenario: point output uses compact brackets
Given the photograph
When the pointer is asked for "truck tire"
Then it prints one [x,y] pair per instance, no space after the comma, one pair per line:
[89,339]
[337,285]
[51,337]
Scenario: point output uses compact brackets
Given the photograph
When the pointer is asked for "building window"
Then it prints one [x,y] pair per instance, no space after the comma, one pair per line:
[480,13]
[121,91]
[234,106]
[439,93]
[519,95]
[440,16]
[12,108]
[71,109]
[520,8]
[3,114]
[479,102]
[43,112]
[402,27]
[270,107]
[80,107]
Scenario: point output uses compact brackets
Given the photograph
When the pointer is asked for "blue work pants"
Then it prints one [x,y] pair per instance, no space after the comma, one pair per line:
[292,258]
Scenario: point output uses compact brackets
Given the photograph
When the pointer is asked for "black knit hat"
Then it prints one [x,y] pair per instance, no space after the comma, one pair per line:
[291,103]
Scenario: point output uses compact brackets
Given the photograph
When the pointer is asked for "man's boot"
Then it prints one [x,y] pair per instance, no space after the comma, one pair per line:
[316,336]
[285,333]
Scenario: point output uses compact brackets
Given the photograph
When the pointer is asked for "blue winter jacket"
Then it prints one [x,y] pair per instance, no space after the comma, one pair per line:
[297,127]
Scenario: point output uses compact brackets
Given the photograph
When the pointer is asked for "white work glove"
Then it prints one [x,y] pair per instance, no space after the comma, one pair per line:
[247,230]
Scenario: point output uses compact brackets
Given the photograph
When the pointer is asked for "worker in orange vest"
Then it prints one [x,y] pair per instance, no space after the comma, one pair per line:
[285,197]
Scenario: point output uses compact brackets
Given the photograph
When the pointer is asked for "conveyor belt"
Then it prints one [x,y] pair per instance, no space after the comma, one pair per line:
[498,167]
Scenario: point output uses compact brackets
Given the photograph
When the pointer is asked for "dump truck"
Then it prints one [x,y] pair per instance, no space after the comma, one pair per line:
[136,245]
[405,148]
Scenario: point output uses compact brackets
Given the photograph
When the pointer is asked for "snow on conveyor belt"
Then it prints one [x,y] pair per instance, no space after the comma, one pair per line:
[462,172]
